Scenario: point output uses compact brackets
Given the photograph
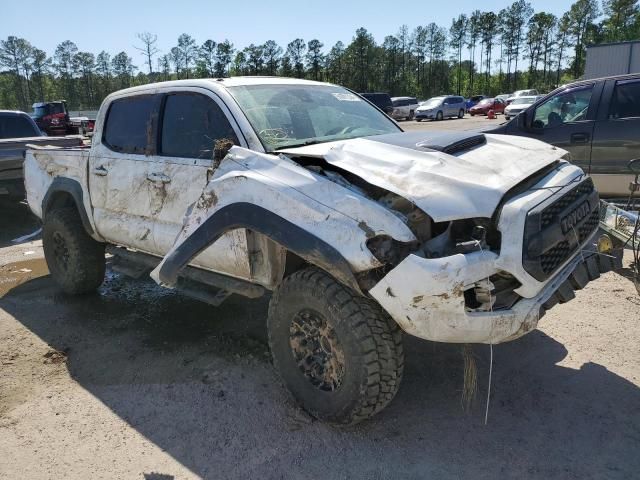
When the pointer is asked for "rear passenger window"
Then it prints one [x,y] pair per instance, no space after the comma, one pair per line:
[626,100]
[128,121]
[191,125]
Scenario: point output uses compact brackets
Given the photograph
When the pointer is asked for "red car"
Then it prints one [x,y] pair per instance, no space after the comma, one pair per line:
[483,106]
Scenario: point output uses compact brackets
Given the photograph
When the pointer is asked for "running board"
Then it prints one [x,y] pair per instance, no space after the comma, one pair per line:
[193,282]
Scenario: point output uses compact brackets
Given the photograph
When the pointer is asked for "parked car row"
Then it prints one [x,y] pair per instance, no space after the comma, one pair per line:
[448,106]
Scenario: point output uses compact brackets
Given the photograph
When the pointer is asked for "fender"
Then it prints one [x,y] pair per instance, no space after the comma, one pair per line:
[247,215]
[73,188]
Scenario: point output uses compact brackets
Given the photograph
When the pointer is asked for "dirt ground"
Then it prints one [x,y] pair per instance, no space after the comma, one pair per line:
[138,382]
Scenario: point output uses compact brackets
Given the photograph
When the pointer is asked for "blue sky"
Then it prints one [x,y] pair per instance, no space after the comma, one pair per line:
[111,25]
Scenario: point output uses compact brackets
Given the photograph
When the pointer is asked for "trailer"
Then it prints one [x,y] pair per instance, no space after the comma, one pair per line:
[608,59]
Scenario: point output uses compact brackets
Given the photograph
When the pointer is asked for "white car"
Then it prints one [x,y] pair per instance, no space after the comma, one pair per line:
[404,108]
[522,93]
[519,104]
[303,189]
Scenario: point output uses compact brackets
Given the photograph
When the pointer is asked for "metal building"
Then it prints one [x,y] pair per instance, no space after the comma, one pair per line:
[612,59]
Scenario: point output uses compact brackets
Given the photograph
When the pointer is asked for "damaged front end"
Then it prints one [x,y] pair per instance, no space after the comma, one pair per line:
[471,280]
[442,239]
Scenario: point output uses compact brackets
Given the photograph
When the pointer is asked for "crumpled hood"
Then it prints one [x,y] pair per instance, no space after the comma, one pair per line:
[447,187]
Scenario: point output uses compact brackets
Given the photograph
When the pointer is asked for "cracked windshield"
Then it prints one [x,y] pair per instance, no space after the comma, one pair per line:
[298,115]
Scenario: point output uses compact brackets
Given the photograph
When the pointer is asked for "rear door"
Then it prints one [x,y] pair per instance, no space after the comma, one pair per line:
[567,120]
[122,196]
[616,136]
[446,107]
[191,121]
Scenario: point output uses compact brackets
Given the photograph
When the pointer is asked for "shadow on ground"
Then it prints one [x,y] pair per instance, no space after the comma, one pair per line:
[16,220]
[197,382]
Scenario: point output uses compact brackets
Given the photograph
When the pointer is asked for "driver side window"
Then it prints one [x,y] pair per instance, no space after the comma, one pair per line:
[565,107]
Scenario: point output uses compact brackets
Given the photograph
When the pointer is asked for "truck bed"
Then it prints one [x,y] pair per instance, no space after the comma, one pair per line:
[12,151]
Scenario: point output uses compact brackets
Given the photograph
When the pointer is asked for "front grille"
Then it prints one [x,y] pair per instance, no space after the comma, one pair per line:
[556,228]
[549,213]
[554,257]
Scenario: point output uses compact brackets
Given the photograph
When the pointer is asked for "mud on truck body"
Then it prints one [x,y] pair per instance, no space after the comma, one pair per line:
[306,190]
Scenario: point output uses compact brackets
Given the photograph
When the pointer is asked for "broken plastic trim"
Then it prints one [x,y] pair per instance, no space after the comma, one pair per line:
[246,215]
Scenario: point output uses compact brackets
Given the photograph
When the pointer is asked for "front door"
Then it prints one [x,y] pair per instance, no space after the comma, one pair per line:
[565,121]
[191,123]
[616,137]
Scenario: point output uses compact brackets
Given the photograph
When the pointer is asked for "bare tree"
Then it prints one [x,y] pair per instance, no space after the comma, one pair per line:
[458,34]
[148,48]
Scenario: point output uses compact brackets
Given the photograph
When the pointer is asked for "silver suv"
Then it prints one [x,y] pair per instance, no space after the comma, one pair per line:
[439,107]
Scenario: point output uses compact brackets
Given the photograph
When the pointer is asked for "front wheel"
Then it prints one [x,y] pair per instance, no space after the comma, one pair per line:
[461,113]
[439,116]
[339,354]
[75,260]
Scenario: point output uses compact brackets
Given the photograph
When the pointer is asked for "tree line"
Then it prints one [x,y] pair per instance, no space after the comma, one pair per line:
[481,52]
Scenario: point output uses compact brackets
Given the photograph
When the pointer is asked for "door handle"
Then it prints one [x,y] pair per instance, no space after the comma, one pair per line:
[158,178]
[579,138]
[100,171]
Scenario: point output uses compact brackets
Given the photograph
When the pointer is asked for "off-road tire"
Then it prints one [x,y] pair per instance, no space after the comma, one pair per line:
[76,261]
[439,116]
[370,341]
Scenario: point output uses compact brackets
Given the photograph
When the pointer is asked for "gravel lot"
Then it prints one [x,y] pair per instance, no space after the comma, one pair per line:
[138,382]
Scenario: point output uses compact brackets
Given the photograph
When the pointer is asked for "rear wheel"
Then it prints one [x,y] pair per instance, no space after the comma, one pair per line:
[439,116]
[411,114]
[76,261]
[461,113]
[339,354]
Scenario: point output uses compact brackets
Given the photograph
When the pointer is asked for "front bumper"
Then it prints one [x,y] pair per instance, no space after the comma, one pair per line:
[426,297]
[424,115]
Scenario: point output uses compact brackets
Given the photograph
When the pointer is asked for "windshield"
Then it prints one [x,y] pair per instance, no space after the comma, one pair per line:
[523,101]
[297,115]
[486,101]
[39,112]
[48,109]
[434,102]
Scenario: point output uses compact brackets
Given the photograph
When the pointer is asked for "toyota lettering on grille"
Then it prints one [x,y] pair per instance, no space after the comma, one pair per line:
[572,219]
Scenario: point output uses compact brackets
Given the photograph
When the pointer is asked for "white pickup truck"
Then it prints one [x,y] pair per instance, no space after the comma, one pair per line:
[308,191]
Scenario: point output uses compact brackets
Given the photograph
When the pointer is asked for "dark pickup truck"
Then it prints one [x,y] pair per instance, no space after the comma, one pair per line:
[17,129]
[597,121]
